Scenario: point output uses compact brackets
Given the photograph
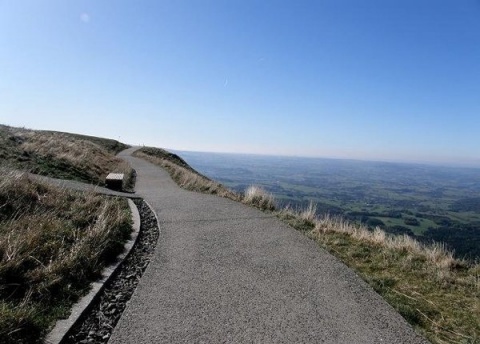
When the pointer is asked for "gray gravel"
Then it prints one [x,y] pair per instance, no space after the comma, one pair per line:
[98,322]
[223,272]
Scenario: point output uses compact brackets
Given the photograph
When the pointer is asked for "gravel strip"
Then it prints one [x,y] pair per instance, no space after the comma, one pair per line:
[98,323]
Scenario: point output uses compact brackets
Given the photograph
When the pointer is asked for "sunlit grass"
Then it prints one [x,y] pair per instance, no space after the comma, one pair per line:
[60,155]
[436,293]
[258,197]
[53,243]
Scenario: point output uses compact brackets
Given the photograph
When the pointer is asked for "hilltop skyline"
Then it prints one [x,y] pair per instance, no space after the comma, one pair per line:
[370,80]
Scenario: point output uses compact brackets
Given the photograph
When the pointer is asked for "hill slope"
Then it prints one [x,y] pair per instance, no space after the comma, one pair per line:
[436,293]
[60,155]
[53,242]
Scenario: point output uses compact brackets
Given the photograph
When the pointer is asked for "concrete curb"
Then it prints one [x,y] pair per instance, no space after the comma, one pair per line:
[62,327]
[154,213]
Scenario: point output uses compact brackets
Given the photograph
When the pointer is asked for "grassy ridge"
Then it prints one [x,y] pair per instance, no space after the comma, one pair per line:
[436,293]
[183,174]
[112,146]
[61,155]
[53,243]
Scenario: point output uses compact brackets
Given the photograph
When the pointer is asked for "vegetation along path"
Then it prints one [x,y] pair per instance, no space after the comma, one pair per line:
[225,272]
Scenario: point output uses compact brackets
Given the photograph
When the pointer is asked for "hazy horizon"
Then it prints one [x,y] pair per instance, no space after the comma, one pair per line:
[370,80]
[455,164]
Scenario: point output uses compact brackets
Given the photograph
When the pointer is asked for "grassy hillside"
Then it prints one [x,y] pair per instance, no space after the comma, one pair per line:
[436,293]
[61,155]
[53,243]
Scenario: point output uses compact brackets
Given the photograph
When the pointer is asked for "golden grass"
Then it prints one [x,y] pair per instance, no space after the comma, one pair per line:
[436,254]
[437,293]
[82,155]
[53,242]
[258,197]
[60,155]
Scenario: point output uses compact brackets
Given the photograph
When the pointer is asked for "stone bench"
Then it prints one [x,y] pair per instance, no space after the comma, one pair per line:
[114,181]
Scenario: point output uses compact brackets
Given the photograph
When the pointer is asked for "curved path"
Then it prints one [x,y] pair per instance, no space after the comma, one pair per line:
[227,273]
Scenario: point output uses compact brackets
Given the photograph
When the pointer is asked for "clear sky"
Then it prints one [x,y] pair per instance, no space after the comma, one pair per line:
[370,79]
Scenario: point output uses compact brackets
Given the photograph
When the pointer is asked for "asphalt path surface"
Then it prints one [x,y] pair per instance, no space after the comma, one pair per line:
[227,273]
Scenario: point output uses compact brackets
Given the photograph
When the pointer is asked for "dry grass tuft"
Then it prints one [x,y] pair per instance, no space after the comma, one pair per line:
[53,242]
[436,254]
[309,214]
[258,197]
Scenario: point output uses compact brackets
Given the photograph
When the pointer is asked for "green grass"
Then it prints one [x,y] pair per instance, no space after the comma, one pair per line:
[418,230]
[463,217]
[53,243]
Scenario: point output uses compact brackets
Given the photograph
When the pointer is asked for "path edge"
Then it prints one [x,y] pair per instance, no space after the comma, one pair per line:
[62,327]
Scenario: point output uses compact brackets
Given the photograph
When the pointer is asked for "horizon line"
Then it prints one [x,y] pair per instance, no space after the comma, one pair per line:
[440,163]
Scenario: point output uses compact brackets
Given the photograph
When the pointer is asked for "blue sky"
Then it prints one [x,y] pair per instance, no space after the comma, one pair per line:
[383,79]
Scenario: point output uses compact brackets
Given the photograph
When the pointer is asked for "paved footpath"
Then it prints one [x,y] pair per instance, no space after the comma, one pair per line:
[226,273]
